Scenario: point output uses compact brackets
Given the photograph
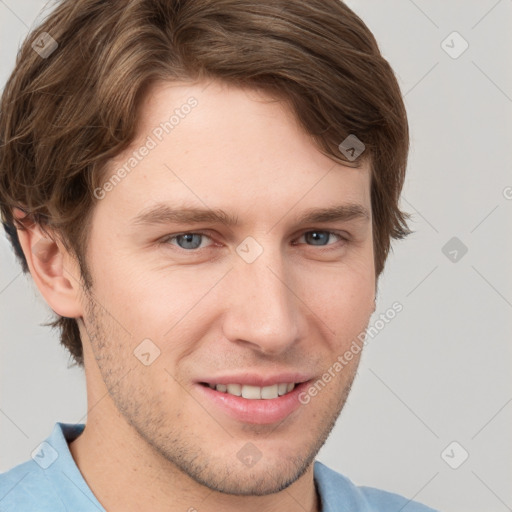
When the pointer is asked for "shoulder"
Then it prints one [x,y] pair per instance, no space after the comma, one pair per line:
[337,492]
[49,480]
[25,487]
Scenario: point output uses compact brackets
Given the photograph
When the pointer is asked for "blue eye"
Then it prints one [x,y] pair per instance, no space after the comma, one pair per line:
[320,238]
[190,241]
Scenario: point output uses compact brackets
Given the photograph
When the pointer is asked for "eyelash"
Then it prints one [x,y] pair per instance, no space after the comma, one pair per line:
[167,239]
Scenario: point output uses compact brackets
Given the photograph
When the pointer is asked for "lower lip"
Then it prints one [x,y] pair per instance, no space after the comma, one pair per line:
[259,412]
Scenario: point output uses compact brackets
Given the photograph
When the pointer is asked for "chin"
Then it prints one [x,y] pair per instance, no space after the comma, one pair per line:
[262,481]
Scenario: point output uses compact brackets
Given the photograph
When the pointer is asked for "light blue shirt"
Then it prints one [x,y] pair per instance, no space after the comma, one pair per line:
[51,482]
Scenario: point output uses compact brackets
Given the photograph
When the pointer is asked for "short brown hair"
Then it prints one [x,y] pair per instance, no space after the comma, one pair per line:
[64,115]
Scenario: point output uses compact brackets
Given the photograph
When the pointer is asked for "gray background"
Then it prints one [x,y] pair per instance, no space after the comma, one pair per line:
[440,371]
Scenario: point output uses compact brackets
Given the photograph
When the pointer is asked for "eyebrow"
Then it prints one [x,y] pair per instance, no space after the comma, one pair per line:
[162,213]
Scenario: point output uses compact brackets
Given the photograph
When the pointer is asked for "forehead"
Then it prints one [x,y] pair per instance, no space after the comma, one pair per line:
[218,146]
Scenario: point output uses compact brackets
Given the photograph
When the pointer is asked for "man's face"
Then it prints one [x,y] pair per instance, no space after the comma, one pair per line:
[270,302]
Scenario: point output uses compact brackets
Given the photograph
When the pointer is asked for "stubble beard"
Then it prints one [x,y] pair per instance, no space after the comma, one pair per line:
[177,447]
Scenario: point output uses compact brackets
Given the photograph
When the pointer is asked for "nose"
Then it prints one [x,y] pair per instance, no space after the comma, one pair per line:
[263,309]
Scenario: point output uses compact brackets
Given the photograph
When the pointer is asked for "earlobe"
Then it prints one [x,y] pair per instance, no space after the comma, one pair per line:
[53,270]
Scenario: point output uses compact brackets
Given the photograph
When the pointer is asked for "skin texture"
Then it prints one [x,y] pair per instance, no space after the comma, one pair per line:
[152,440]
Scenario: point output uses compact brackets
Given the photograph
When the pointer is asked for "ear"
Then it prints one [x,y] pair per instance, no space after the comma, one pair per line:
[55,272]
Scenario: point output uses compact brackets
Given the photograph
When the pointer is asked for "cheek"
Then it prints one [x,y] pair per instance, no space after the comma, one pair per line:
[343,297]
[126,293]
[163,305]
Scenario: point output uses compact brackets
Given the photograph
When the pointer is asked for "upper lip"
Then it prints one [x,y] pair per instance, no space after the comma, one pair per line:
[254,379]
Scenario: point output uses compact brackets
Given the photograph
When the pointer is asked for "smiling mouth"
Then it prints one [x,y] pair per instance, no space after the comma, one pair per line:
[253,392]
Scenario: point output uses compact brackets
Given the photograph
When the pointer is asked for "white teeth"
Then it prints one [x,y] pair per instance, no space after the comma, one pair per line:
[235,389]
[269,392]
[254,392]
[251,392]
